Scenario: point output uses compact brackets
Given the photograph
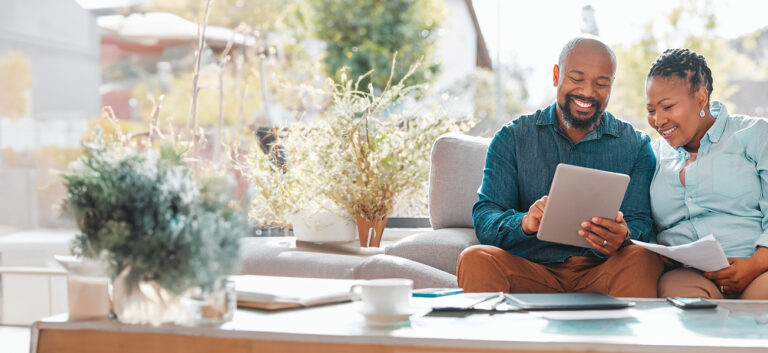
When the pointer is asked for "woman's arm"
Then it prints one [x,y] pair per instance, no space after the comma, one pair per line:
[742,271]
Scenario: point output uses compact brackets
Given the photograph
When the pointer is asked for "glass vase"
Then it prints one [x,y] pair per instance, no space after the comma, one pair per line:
[150,304]
[146,304]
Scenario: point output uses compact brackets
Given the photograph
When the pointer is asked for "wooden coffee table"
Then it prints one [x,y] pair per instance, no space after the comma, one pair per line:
[736,326]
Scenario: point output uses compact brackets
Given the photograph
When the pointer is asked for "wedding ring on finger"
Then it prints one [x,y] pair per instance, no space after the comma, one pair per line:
[605,242]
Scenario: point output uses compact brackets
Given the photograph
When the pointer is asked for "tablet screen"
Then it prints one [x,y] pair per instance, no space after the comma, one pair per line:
[578,194]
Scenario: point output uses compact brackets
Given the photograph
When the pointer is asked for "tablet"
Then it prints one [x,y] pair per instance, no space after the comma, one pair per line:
[578,194]
[565,301]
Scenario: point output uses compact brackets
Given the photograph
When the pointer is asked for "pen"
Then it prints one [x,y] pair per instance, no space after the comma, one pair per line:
[464,308]
[473,305]
[501,300]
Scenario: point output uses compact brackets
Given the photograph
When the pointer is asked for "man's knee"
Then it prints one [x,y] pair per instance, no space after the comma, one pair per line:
[637,255]
[476,254]
[479,270]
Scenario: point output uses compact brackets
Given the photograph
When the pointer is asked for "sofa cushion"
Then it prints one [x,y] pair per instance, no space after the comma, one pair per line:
[455,175]
[437,248]
[278,257]
[385,266]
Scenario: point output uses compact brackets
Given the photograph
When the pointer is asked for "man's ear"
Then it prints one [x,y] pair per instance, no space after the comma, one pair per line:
[555,75]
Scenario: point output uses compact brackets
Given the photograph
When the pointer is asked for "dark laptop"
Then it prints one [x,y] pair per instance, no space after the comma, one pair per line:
[565,301]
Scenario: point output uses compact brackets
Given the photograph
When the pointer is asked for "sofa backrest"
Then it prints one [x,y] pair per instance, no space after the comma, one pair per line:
[456,173]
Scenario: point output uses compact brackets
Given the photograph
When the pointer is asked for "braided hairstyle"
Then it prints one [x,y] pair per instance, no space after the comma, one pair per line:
[685,64]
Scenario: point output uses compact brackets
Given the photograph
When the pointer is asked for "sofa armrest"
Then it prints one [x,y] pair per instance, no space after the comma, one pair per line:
[456,172]
[437,248]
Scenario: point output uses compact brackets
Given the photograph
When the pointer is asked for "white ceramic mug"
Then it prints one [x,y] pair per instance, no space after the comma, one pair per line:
[384,296]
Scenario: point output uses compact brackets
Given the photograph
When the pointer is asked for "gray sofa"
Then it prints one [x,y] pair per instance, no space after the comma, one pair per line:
[429,258]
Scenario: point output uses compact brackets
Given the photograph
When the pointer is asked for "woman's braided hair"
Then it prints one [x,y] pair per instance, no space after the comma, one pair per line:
[685,64]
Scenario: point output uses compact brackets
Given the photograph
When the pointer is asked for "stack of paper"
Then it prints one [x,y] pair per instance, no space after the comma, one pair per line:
[267,292]
[705,254]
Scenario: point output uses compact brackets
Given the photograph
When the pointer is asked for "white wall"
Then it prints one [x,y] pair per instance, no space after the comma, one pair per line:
[457,50]
[62,42]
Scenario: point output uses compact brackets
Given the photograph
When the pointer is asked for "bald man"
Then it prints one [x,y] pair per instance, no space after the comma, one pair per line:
[519,168]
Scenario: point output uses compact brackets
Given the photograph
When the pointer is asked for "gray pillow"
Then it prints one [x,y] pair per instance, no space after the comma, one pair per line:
[438,248]
[278,257]
[455,175]
[423,276]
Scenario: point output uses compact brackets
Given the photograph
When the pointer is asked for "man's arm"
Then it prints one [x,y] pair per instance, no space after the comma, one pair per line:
[637,202]
[607,236]
[495,215]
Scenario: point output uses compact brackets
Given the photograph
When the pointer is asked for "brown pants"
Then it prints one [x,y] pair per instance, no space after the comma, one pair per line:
[686,282]
[632,272]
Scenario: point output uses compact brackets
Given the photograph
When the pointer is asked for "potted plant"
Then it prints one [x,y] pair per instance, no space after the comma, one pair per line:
[364,154]
[164,235]
[286,193]
[376,150]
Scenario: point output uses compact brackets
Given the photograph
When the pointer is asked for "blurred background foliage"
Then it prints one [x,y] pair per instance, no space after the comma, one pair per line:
[15,83]
[634,60]
[364,35]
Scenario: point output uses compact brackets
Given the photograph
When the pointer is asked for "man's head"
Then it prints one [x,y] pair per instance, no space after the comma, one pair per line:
[583,77]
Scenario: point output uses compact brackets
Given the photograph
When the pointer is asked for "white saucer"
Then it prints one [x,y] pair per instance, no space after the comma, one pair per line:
[371,317]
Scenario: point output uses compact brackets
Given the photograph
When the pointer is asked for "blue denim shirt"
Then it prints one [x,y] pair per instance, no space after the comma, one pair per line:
[520,166]
[726,187]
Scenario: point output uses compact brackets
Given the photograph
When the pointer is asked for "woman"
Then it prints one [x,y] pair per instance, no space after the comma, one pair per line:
[711,178]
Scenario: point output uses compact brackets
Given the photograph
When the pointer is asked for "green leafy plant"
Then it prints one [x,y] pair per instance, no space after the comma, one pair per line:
[145,212]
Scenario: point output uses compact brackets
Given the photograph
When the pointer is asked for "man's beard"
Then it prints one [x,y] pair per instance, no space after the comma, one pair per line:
[581,124]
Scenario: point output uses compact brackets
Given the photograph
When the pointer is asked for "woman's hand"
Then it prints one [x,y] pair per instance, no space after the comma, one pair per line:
[532,220]
[736,277]
[605,235]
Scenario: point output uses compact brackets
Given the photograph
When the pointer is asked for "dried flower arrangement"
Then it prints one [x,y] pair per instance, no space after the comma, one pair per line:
[361,157]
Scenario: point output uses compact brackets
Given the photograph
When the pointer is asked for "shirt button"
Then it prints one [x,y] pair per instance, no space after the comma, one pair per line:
[696,218]
[688,199]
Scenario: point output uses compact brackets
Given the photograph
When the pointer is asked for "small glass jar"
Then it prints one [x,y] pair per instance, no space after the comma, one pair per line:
[212,307]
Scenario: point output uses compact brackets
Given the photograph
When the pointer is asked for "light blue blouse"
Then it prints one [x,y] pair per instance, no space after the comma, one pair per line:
[726,187]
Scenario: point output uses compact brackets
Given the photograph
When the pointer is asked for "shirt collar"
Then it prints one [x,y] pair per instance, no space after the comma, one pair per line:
[720,112]
[715,132]
[608,123]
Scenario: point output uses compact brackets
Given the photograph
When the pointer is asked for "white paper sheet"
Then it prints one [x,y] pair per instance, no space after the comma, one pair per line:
[705,254]
[584,314]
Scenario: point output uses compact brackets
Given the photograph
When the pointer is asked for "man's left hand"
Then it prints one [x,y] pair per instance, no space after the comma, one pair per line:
[605,235]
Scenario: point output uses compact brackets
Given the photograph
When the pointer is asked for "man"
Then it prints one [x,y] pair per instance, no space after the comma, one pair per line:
[519,169]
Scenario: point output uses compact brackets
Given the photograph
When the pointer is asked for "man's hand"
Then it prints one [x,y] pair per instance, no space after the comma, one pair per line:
[736,277]
[531,221]
[605,235]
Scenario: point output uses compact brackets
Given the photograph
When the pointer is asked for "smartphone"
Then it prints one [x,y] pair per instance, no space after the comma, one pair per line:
[435,292]
[691,303]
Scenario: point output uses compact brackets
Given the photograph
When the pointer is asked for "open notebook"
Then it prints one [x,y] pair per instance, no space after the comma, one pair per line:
[270,293]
